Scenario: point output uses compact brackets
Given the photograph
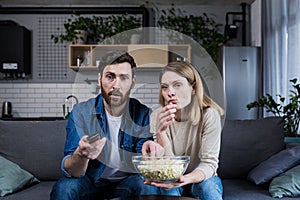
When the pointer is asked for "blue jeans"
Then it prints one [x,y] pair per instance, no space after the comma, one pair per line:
[84,188]
[206,190]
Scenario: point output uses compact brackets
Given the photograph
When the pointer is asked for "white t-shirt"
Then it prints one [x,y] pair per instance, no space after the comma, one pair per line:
[114,163]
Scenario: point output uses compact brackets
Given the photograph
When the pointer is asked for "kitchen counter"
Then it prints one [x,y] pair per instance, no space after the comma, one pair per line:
[32,118]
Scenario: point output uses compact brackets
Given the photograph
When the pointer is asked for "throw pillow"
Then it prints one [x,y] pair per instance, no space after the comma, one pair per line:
[13,178]
[286,184]
[275,165]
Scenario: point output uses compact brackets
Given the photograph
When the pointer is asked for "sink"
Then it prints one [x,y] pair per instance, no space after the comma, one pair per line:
[32,118]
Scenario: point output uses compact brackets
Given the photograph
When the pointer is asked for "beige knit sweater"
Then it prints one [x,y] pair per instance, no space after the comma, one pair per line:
[201,142]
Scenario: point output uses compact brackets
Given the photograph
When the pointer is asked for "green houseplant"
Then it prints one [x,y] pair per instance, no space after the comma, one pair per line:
[98,28]
[290,111]
[203,28]
[73,26]
[114,24]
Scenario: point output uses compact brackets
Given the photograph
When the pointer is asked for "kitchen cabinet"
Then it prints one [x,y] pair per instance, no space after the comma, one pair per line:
[86,56]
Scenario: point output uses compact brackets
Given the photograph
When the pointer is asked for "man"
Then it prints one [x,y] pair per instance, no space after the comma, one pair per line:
[103,134]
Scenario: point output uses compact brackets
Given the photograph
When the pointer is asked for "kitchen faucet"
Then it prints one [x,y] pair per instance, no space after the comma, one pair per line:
[68,109]
[72,96]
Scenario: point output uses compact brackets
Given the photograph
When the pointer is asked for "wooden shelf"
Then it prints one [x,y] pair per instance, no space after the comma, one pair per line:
[145,55]
[82,67]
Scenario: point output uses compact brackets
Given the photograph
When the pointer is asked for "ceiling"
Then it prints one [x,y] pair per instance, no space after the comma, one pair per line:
[120,2]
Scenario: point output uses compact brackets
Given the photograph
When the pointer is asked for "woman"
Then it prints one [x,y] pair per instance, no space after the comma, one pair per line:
[188,123]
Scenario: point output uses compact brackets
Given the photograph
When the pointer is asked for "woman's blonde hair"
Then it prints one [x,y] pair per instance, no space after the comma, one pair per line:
[201,100]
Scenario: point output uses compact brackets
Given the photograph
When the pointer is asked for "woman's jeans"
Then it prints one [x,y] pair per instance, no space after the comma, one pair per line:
[206,190]
[84,188]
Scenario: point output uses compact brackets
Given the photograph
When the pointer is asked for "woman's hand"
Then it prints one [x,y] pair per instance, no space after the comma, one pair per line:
[165,117]
[90,149]
[196,176]
[179,183]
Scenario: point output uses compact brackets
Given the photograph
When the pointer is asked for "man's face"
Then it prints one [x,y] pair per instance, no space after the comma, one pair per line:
[116,83]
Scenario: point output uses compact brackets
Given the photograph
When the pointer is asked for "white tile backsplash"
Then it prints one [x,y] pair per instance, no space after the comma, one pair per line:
[46,100]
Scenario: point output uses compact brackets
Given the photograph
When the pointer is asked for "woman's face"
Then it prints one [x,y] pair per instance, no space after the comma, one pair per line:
[176,89]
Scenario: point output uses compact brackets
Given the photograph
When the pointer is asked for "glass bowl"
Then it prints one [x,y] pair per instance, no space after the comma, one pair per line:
[161,169]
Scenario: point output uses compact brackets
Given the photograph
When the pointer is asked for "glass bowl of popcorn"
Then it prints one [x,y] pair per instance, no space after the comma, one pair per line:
[161,169]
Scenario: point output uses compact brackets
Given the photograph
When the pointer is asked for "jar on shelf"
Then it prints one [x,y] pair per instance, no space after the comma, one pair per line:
[78,61]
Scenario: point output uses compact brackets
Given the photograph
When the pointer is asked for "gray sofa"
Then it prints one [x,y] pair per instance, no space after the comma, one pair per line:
[37,147]
[247,144]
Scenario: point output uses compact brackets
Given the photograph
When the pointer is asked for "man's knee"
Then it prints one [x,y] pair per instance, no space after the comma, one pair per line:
[63,189]
[135,184]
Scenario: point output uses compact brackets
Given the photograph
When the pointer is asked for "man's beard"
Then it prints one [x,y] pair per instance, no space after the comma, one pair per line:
[114,102]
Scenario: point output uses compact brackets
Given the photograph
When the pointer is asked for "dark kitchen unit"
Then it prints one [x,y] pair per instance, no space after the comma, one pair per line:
[15,50]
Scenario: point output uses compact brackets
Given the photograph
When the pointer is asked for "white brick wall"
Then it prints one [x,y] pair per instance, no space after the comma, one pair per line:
[46,100]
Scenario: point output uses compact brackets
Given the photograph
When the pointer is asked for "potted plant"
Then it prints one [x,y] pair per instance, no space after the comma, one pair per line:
[76,30]
[290,111]
[112,25]
[202,29]
[98,28]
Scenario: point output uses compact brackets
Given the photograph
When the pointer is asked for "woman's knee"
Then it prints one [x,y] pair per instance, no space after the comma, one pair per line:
[211,187]
[213,182]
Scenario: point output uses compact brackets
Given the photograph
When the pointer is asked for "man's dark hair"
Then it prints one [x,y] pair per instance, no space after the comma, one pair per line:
[115,57]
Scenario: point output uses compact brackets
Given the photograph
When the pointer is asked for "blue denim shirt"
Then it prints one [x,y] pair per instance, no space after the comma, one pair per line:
[89,117]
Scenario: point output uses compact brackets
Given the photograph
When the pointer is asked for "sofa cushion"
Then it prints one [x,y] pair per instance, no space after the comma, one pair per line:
[39,191]
[13,178]
[246,143]
[275,165]
[241,189]
[36,146]
[286,184]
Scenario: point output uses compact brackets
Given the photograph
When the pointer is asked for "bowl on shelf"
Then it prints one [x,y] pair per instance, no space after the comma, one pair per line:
[161,169]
